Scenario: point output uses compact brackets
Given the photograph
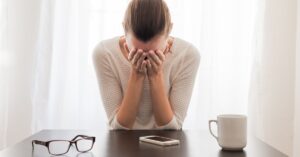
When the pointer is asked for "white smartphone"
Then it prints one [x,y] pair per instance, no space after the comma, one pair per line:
[159,140]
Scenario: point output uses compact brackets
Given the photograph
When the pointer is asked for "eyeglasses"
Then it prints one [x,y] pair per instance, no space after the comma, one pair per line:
[83,144]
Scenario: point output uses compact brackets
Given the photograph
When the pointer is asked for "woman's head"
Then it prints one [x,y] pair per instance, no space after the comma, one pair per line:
[147,24]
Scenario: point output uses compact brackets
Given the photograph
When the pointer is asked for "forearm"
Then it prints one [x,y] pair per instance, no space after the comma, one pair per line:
[162,109]
[128,108]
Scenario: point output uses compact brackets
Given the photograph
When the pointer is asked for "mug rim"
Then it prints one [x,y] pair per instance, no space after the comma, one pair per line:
[232,116]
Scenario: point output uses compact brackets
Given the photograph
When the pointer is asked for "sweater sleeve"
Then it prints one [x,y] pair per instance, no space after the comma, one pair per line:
[110,88]
[182,88]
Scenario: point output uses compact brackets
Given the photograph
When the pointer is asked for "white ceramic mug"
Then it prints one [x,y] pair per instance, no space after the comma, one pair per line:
[232,131]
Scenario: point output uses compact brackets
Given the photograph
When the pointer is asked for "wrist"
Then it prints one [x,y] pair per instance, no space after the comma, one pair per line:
[137,76]
[156,77]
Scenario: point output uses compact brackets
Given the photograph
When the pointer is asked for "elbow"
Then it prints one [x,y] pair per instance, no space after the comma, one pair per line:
[177,126]
[115,125]
[174,124]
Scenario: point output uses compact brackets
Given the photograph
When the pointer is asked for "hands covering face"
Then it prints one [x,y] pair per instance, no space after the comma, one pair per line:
[149,63]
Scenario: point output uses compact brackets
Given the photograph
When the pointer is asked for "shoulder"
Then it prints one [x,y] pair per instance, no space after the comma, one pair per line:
[104,48]
[186,51]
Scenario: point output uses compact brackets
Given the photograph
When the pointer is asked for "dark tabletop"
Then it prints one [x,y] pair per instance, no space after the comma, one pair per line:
[126,144]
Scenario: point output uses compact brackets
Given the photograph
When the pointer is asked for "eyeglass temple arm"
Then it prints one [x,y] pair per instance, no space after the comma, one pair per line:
[83,136]
[38,142]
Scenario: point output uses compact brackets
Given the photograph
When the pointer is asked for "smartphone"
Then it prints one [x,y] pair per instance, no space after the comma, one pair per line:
[159,140]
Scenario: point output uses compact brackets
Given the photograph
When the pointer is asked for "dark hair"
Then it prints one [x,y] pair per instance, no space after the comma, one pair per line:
[147,18]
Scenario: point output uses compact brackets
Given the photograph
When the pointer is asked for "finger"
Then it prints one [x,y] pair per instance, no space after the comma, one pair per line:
[141,59]
[144,65]
[131,53]
[154,57]
[126,47]
[152,63]
[160,54]
[148,64]
[137,56]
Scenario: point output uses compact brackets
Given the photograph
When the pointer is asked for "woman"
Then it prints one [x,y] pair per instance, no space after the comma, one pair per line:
[146,77]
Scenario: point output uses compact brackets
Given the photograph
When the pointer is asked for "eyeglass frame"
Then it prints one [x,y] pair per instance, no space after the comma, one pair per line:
[71,142]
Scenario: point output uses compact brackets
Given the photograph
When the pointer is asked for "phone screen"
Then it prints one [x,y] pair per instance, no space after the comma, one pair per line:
[161,139]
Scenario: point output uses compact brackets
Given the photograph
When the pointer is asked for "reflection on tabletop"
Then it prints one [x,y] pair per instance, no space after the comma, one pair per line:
[36,153]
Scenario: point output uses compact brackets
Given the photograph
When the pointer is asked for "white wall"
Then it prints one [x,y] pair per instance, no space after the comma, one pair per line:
[273,87]
[297,106]
[296,152]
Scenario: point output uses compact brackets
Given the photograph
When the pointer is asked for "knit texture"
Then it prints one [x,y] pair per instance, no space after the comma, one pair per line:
[112,69]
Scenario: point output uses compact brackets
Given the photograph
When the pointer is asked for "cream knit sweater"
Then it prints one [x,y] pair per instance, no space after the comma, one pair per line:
[113,69]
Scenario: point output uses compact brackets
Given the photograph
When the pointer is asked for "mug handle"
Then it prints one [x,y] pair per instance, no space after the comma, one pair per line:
[209,125]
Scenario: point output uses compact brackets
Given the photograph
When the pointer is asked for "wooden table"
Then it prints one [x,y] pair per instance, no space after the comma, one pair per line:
[126,144]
